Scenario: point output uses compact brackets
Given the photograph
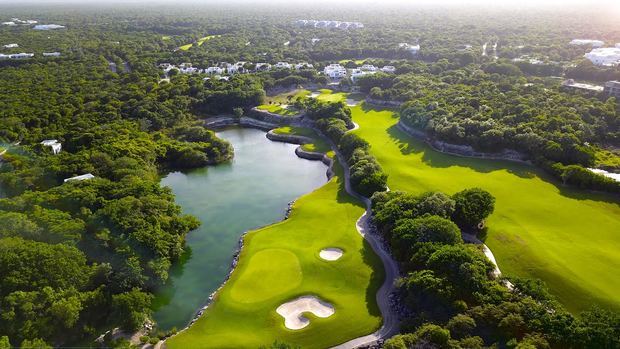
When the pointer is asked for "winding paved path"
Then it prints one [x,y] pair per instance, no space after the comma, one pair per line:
[391,322]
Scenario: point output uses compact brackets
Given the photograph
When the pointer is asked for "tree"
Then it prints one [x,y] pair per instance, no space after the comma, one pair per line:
[35,344]
[238,112]
[461,326]
[5,343]
[472,206]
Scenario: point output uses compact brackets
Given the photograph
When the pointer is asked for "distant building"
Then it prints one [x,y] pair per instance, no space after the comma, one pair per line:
[48,27]
[335,71]
[21,55]
[388,69]
[570,84]
[282,65]
[51,54]
[607,56]
[214,70]
[328,24]
[11,46]
[303,65]
[612,88]
[262,66]
[369,68]
[54,144]
[414,49]
[581,42]
[357,73]
[80,178]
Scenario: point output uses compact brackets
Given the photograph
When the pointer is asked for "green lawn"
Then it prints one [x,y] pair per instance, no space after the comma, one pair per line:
[327,95]
[186,47]
[281,262]
[318,145]
[205,39]
[566,237]
[277,109]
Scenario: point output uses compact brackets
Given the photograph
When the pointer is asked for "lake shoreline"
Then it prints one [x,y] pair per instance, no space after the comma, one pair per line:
[229,121]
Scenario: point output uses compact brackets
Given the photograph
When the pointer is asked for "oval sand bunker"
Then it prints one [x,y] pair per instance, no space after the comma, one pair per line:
[293,311]
[331,253]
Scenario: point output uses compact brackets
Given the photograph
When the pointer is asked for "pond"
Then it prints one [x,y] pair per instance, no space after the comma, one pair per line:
[252,191]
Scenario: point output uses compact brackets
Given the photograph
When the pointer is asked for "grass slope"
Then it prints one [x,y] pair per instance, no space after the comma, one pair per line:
[566,237]
[318,146]
[281,262]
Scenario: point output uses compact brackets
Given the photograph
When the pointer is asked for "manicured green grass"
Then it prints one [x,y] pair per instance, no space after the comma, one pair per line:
[165,37]
[566,237]
[281,262]
[205,39]
[185,47]
[318,145]
[277,109]
[327,95]
[356,61]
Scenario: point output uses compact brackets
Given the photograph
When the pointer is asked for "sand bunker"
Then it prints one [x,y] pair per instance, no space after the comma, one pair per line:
[293,311]
[330,253]
[314,94]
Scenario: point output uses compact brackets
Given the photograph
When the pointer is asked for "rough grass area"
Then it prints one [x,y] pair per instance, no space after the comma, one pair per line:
[608,159]
[566,237]
[281,262]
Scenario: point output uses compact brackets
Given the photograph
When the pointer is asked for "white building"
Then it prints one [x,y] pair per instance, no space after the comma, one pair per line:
[80,178]
[335,71]
[54,144]
[606,56]
[11,23]
[328,24]
[11,45]
[414,49]
[369,67]
[570,83]
[262,66]
[214,70]
[303,65]
[3,56]
[51,54]
[357,73]
[21,55]
[612,88]
[581,42]
[618,45]
[48,27]
[388,69]
[282,65]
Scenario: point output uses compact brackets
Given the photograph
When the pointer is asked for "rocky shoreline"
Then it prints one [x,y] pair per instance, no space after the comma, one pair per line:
[463,150]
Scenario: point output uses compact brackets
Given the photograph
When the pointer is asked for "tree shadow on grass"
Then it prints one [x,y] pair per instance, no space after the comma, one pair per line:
[376,278]
[410,145]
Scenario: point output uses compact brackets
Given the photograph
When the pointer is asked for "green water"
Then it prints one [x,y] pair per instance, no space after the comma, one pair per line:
[229,199]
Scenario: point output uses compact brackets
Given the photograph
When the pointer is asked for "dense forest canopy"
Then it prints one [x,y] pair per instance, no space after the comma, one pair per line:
[80,258]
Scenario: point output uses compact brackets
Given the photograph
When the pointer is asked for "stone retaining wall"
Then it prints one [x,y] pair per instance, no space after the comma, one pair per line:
[463,150]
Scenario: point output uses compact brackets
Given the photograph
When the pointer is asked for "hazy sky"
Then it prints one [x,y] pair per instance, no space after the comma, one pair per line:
[441,2]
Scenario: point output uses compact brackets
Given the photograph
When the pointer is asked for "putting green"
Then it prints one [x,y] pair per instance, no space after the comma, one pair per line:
[281,262]
[270,273]
[568,238]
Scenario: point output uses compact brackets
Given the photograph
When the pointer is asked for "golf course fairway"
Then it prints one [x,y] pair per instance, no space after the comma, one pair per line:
[568,238]
[281,262]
